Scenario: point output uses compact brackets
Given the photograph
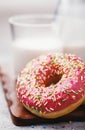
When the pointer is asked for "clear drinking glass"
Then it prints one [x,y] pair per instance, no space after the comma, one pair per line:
[33,35]
[73,27]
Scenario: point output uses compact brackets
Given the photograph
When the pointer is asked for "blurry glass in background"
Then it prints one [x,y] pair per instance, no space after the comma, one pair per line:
[73,27]
[32,36]
[35,34]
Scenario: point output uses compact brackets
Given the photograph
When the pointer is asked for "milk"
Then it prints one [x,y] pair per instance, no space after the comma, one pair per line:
[78,50]
[73,36]
[26,49]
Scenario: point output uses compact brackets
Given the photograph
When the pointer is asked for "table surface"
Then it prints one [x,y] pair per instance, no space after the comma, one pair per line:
[6,122]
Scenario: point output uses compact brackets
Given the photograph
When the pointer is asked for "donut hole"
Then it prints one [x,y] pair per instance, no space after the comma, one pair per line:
[53,79]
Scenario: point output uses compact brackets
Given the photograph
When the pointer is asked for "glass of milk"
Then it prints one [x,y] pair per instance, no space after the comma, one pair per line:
[74,37]
[73,27]
[33,35]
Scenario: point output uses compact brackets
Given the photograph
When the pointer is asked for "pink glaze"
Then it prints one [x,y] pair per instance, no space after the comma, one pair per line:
[51,83]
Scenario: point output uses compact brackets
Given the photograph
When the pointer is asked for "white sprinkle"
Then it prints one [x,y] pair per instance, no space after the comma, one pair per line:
[34,100]
[74,91]
[59,103]
[54,99]
[44,72]
[73,97]
[51,109]
[48,109]
[58,97]
[23,96]
[45,103]
[81,78]
[37,103]
[46,69]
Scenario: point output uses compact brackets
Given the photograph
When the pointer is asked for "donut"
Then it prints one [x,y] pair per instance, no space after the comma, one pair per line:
[52,85]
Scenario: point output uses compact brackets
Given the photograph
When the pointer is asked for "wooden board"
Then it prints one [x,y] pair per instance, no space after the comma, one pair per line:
[21,117]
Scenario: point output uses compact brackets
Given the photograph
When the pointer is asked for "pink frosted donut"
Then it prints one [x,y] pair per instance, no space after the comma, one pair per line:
[52,85]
